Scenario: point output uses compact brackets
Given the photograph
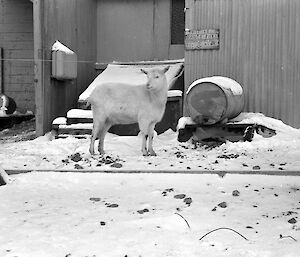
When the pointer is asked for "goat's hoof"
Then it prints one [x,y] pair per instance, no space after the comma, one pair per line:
[152,153]
[145,153]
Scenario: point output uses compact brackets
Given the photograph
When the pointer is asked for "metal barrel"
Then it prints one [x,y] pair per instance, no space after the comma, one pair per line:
[214,99]
[7,104]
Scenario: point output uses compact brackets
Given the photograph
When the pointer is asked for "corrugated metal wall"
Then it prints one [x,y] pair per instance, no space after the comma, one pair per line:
[259,47]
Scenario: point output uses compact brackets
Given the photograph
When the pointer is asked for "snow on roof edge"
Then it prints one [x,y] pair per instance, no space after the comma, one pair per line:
[225,82]
[58,46]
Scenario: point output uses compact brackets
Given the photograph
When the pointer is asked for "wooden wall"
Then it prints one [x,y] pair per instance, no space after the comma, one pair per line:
[259,47]
[73,23]
[16,39]
[135,30]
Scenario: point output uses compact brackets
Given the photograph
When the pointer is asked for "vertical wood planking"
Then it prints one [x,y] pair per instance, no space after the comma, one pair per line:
[1,71]
[73,23]
[162,29]
[125,30]
[16,39]
[135,30]
[258,48]
[39,66]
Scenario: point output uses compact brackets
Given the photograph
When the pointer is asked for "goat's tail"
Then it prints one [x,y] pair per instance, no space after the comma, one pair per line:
[87,105]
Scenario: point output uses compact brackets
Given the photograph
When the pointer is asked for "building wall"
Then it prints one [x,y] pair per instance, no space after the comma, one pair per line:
[259,47]
[135,30]
[16,39]
[73,23]
[98,31]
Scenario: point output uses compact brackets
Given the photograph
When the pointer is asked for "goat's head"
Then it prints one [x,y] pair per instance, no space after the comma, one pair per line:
[156,78]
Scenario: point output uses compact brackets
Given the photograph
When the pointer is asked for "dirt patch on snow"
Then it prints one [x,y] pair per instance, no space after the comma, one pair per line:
[23,131]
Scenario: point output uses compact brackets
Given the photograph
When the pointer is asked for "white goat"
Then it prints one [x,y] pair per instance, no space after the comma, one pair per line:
[117,103]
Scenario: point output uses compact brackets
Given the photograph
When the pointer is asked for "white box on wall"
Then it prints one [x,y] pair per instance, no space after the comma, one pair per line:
[64,62]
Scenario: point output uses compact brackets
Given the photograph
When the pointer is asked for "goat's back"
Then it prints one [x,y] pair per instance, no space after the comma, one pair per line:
[124,104]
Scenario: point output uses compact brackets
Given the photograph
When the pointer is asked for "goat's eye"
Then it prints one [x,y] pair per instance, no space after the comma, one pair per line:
[156,76]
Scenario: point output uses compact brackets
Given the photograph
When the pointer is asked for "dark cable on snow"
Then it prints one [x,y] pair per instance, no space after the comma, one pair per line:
[184,219]
[226,229]
[282,237]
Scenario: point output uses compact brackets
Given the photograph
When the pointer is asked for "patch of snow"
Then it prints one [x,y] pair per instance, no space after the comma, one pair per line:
[78,126]
[184,121]
[68,214]
[152,214]
[259,118]
[3,112]
[224,82]
[60,120]
[129,74]
[278,153]
[58,46]
[79,113]
[172,93]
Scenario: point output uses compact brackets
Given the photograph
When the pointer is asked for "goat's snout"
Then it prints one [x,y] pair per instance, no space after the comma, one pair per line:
[148,85]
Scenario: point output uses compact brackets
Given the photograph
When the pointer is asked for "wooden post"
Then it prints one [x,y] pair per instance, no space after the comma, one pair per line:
[38,24]
[4,178]
[1,71]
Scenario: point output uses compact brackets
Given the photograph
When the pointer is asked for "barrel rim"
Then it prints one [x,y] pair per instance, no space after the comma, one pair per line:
[233,89]
[223,115]
[214,79]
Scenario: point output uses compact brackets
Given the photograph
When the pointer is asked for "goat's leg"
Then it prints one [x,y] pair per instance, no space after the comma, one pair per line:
[96,128]
[144,144]
[102,134]
[143,125]
[150,139]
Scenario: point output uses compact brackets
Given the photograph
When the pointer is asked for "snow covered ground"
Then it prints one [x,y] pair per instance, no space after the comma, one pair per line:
[99,214]
[153,213]
[278,153]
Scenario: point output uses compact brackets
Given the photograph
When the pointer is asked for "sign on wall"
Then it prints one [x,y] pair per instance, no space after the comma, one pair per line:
[202,39]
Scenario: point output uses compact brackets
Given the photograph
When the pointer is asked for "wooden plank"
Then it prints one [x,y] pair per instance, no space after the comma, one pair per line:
[38,7]
[21,45]
[71,131]
[19,55]
[17,36]
[22,70]
[220,173]
[16,2]
[13,18]
[17,27]
[17,7]
[125,30]
[15,87]
[79,120]
[16,33]
[1,71]
[161,34]
[18,79]
[86,35]
[23,100]
[74,24]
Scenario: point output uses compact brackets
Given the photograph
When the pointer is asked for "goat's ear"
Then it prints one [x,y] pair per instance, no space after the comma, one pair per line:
[142,70]
[166,69]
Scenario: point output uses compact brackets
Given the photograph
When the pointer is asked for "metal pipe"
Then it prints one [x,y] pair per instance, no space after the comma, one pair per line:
[220,173]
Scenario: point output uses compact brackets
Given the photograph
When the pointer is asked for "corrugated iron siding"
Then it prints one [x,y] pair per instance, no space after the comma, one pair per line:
[259,48]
